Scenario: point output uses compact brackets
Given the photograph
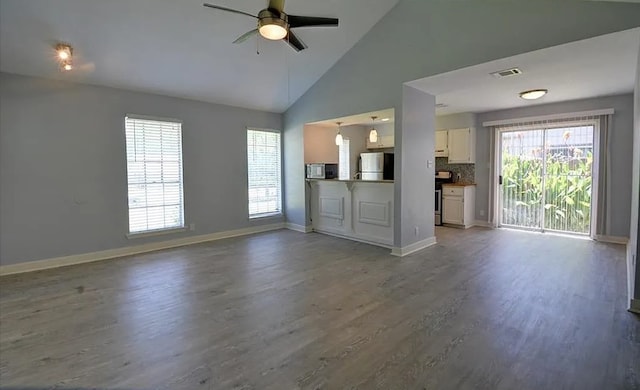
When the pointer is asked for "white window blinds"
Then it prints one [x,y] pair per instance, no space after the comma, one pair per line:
[154,173]
[264,172]
[344,168]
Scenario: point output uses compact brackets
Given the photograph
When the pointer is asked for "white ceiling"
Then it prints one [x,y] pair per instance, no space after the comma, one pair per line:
[600,66]
[180,48]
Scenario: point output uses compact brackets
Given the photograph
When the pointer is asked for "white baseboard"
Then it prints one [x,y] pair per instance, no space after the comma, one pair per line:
[298,228]
[131,250]
[634,306]
[482,223]
[416,246]
[612,239]
[359,238]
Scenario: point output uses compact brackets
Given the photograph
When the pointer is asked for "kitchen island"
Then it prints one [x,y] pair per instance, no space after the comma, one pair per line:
[360,210]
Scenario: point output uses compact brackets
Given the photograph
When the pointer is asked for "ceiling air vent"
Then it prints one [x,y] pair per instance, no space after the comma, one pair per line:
[507,73]
[441,105]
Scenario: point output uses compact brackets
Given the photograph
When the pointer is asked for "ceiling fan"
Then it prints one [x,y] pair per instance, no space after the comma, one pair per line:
[275,24]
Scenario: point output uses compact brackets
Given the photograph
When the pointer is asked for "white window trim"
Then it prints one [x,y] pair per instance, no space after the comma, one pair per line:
[252,217]
[164,231]
[553,117]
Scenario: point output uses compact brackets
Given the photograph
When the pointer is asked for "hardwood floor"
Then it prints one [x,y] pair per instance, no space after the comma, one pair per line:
[483,309]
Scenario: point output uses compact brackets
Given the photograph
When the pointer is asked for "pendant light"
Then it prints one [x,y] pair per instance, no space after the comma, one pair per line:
[339,136]
[373,134]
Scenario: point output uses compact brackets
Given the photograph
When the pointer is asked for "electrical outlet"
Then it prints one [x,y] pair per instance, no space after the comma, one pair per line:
[482,213]
[192,226]
[416,230]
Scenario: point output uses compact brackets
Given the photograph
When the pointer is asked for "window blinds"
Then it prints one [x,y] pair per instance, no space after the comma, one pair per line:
[264,172]
[154,174]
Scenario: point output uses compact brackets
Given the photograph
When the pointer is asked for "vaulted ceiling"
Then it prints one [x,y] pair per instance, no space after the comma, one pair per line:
[180,48]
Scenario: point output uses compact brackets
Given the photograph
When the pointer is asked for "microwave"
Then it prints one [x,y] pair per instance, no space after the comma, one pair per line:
[322,171]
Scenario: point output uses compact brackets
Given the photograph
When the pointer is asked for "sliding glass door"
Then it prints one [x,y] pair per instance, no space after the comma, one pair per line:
[546,177]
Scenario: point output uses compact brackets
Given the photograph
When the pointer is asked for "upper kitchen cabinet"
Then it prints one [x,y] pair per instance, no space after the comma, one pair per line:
[442,144]
[462,146]
[384,142]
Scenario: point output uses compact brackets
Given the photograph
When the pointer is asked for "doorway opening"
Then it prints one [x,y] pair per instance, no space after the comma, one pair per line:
[546,180]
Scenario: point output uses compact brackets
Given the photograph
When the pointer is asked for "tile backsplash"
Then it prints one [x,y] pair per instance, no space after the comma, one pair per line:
[467,171]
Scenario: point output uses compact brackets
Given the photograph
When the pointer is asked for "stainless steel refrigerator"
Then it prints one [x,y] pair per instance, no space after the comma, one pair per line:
[376,166]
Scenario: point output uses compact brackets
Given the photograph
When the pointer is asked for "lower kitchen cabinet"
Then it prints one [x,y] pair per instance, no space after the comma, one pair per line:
[458,205]
[356,209]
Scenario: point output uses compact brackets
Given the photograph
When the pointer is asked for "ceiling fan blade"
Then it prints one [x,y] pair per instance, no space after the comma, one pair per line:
[246,36]
[276,4]
[235,11]
[295,42]
[311,21]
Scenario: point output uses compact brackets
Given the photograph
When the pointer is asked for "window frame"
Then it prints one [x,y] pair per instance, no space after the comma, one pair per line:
[279,213]
[165,230]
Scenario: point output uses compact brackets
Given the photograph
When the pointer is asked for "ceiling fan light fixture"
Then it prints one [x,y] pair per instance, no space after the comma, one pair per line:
[533,94]
[272,28]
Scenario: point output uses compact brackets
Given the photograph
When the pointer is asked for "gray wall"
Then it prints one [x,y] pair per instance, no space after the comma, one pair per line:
[320,144]
[456,121]
[415,185]
[621,153]
[63,178]
[423,38]
[634,239]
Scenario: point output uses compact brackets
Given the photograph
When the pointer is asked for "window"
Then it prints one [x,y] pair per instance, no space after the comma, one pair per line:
[264,173]
[154,174]
[344,170]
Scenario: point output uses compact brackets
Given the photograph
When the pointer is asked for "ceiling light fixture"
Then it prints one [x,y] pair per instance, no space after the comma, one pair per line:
[385,119]
[373,134]
[271,26]
[64,53]
[338,136]
[533,94]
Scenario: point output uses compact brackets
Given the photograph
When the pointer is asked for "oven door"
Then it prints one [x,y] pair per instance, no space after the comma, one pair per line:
[438,208]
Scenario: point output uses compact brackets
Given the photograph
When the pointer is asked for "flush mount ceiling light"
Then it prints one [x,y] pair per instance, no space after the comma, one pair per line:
[384,119]
[373,134]
[338,136]
[533,94]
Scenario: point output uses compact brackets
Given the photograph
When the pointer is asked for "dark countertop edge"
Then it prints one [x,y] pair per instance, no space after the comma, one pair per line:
[458,184]
[353,181]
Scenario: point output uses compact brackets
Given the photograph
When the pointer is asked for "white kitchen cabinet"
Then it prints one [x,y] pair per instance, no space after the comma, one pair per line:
[442,142]
[458,205]
[356,209]
[384,142]
[462,146]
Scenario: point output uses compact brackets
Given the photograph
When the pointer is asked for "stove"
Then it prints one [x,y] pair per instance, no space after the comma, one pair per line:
[441,178]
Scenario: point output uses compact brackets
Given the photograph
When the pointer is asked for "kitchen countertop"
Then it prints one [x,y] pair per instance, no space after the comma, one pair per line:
[458,184]
[353,180]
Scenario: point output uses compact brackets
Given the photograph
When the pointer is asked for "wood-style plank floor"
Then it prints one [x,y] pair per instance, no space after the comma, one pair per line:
[483,309]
